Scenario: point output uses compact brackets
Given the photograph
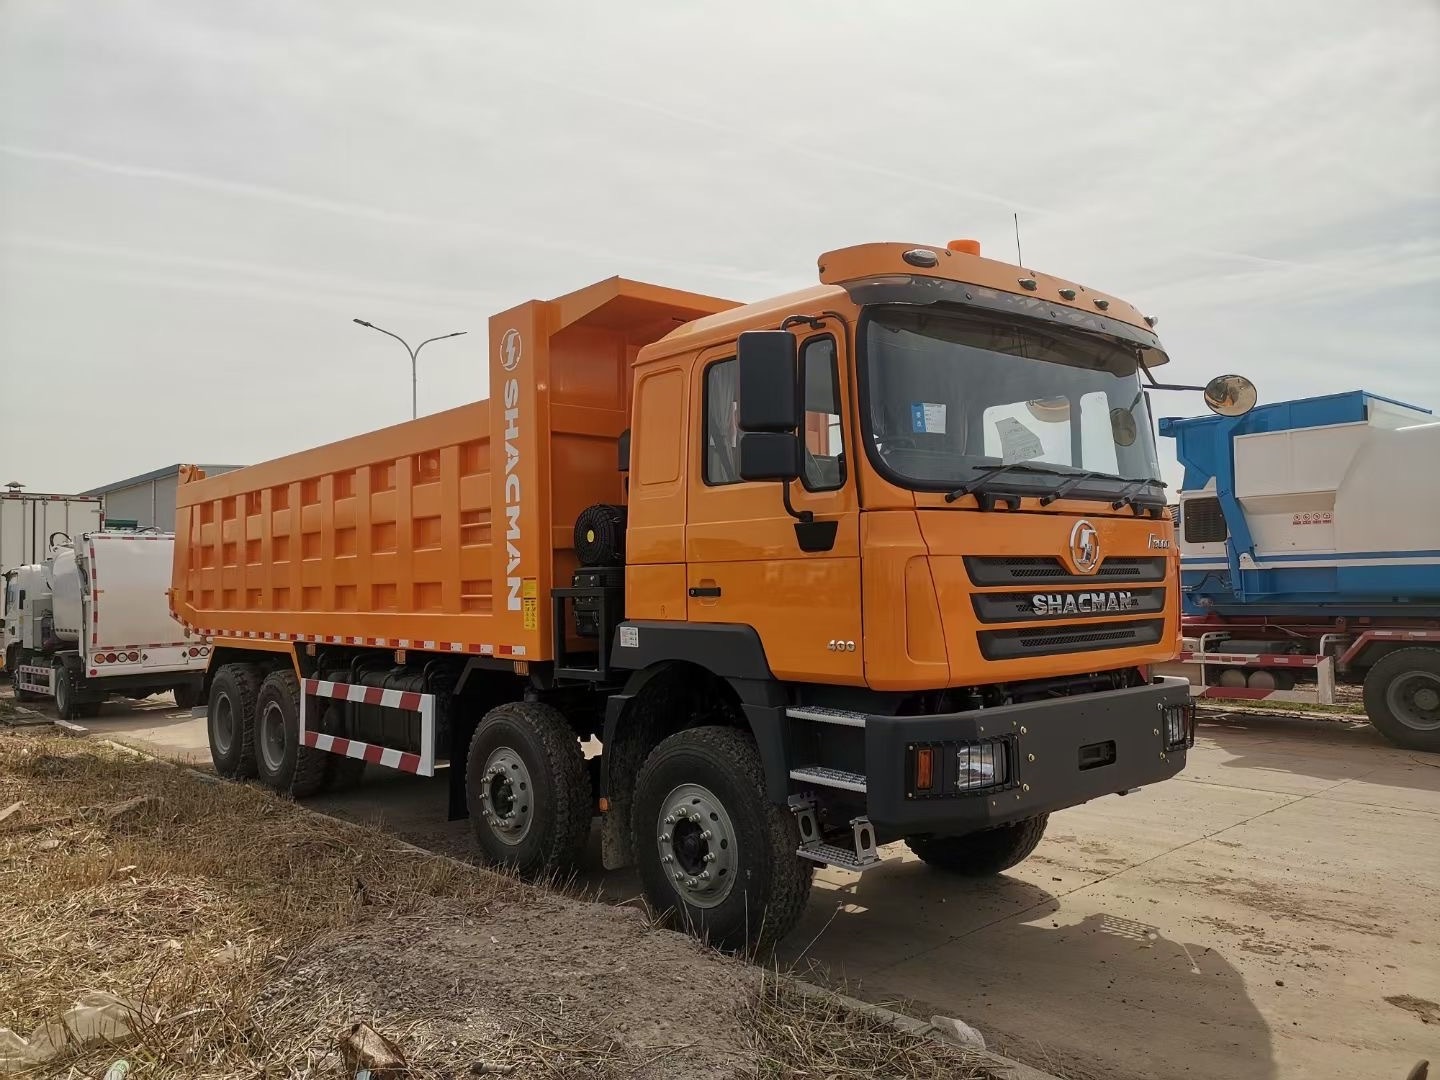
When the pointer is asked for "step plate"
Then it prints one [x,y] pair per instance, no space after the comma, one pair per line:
[831,778]
[834,855]
[821,715]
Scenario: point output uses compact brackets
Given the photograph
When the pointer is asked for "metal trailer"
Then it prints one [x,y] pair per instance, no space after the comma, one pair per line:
[93,621]
[1309,534]
[28,519]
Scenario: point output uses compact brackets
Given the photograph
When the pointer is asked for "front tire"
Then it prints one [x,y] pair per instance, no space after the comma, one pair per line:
[280,761]
[527,789]
[230,720]
[713,850]
[1402,698]
[981,854]
[14,659]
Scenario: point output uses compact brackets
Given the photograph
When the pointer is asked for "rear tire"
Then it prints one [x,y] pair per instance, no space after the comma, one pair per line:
[230,720]
[527,789]
[187,695]
[341,772]
[280,761]
[1402,698]
[981,854]
[62,681]
[714,774]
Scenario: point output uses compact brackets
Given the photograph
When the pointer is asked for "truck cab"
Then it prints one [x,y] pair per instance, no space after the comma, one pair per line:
[928,505]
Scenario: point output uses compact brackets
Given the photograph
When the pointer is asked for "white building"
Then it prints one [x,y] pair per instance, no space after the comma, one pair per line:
[147,500]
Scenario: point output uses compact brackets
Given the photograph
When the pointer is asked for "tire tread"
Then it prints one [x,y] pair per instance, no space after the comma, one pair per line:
[981,854]
[1377,709]
[246,683]
[790,876]
[569,779]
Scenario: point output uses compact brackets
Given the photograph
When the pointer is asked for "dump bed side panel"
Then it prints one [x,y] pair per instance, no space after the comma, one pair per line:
[387,537]
[446,533]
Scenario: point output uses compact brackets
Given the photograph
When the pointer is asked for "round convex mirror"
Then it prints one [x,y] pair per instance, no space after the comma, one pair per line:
[1122,425]
[1230,395]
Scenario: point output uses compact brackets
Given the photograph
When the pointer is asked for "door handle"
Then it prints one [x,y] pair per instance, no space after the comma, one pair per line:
[705,590]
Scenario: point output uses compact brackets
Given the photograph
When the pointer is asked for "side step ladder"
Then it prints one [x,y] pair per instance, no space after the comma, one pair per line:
[859,857]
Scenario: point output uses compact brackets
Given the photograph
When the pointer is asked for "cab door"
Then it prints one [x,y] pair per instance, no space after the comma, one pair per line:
[745,562]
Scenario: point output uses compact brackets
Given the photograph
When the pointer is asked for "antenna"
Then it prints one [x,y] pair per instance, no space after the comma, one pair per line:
[1019,259]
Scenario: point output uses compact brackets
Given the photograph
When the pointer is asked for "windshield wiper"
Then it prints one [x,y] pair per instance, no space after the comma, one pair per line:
[1126,499]
[1068,484]
[978,484]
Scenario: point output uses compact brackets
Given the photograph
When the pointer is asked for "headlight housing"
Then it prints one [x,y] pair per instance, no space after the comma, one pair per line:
[1178,729]
[955,767]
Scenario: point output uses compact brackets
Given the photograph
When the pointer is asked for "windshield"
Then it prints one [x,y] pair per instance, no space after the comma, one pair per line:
[952,394]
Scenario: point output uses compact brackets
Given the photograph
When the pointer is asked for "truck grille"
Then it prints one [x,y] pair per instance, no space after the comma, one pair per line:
[989,570]
[1074,603]
[1048,640]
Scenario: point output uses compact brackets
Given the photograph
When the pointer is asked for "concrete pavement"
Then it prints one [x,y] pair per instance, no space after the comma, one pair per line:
[1271,913]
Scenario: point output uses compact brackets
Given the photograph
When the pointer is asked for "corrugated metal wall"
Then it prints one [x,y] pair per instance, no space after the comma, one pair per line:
[150,504]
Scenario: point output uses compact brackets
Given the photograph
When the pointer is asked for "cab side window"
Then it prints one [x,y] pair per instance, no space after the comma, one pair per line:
[722,451]
[824,446]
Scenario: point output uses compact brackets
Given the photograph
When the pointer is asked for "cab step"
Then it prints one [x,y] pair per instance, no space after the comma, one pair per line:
[822,776]
[859,857]
[821,715]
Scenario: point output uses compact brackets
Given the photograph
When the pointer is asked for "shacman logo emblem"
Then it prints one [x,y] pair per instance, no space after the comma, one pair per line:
[510,350]
[1084,547]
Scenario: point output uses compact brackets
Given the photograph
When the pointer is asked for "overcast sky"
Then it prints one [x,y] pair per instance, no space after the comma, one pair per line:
[196,197]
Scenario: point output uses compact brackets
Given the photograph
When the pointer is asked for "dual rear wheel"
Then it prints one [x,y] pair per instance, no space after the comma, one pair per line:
[254,730]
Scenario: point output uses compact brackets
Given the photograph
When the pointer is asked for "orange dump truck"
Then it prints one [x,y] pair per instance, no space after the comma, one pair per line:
[886,558]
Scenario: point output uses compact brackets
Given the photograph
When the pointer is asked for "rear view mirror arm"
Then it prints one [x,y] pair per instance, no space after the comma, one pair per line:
[805,517]
[1149,378]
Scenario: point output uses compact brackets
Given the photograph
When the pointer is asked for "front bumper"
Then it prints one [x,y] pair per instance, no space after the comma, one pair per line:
[1058,752]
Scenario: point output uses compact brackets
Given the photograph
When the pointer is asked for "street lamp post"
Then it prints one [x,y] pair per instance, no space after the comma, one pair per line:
[414,408]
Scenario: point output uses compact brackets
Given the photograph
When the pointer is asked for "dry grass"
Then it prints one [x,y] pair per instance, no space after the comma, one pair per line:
[218,908]
[803,1037]
[190,904]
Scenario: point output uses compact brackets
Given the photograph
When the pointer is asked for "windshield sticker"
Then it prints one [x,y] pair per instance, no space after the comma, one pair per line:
[1017,442]
[927,417]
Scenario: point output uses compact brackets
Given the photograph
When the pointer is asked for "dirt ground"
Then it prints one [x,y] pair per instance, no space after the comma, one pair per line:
[1268,914]
[243,934]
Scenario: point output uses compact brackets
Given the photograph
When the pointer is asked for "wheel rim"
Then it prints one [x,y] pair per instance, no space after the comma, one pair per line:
[697,845]
[224,724]
[1414,700]
[507,796]
[272,736]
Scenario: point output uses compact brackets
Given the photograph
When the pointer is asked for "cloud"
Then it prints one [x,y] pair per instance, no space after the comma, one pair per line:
[219,189]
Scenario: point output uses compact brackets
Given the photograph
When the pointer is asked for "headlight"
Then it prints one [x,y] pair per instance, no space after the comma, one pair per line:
[981,765]
[1179,729]
[952,767]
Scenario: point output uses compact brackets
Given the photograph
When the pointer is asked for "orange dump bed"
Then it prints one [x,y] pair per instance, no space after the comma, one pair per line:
[444,533]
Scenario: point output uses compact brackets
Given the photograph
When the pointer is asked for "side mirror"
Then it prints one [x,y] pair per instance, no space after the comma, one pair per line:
[1230,395]
[769,381]
[769,455]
